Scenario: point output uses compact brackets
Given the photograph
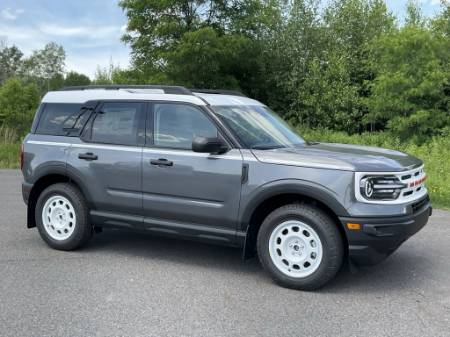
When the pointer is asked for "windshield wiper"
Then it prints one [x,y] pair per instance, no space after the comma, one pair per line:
[267,147]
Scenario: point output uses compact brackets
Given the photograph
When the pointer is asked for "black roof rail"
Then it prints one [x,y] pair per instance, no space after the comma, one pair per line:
[168,89]
[219,92]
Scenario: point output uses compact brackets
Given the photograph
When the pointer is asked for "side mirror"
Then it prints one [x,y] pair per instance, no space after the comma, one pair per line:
[208,145]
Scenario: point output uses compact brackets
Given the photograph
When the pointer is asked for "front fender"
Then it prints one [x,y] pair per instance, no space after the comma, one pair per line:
[289,186]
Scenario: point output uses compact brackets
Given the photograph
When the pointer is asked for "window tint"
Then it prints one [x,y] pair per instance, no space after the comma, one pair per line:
[176,125]
[118,123]
[59,119]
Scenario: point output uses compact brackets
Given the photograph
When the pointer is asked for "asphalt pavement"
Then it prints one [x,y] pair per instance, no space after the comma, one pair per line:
[131,284]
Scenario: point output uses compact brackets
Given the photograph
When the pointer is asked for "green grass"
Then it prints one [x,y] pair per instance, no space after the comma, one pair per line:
[435,154]
[9,155]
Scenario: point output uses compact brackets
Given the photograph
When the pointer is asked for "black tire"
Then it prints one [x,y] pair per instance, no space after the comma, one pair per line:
[328,233]
[83,229]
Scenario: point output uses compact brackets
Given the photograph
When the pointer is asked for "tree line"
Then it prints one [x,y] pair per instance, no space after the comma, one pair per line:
[347,65]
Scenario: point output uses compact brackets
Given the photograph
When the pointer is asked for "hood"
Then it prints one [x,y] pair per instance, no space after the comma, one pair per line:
[340,157]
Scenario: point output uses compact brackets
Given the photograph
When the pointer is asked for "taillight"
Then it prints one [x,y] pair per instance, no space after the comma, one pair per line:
[21,157]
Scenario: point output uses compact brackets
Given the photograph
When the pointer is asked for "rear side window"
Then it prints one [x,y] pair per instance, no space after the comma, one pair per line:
[59,119]
[119,123]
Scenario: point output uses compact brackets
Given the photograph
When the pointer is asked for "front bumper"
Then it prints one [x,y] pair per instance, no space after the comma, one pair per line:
[379,237]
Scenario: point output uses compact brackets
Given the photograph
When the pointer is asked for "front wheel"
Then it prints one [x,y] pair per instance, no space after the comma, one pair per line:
[300,246]
[62,217]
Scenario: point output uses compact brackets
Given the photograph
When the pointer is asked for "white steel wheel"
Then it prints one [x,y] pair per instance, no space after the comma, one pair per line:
[59,217]
[295,249]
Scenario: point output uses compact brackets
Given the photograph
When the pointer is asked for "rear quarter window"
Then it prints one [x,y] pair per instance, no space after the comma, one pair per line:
[57,118]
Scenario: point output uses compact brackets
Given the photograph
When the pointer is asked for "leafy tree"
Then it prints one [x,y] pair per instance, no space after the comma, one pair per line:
[293,43]
[441,23]
[414,16]
[410,93]
[156,32]
[47,62]
[18,102]
[329,97]
[103,75]
[113,74]
[73,79]
[321,61]
[204,59]
[46,66]
[11,62]
[56,82]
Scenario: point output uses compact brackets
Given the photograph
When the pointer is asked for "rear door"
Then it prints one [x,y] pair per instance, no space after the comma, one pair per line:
[183,191]
[108,160]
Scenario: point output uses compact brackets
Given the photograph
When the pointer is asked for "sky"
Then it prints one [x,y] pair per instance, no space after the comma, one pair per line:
[90,30]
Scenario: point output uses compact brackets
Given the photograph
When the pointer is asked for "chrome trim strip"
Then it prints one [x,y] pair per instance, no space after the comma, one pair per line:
[38,142]
[88,146]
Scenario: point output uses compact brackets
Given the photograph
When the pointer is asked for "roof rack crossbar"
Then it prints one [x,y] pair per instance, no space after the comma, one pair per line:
[168,89]
[219,92]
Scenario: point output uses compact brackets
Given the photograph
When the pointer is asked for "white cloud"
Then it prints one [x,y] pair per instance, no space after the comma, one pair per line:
[80,37]
[433,2]
[91,32]
[10,14]
[25,37]
[89,41]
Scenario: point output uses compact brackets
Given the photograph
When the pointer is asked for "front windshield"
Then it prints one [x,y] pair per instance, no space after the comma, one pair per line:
[257,127]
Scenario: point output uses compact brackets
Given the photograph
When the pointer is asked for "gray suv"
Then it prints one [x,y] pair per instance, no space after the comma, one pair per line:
[219,167]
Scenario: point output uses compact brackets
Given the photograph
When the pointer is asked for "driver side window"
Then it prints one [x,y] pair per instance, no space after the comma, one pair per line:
[176,125]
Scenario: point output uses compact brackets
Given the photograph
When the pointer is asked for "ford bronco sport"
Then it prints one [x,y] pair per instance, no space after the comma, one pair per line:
[215,166]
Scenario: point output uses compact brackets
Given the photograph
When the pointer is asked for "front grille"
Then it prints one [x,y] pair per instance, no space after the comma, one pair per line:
[414,181]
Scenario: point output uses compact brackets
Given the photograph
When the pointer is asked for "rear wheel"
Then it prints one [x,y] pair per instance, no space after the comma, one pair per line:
[300,246]
[62,217]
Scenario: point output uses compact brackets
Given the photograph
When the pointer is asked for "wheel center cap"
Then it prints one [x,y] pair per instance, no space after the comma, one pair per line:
[60,217]
[297,247]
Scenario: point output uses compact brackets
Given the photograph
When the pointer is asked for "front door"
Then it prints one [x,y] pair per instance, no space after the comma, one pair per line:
[182,189]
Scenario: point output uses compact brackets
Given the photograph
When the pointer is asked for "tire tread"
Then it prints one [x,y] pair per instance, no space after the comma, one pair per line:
[329,230]
[83,230]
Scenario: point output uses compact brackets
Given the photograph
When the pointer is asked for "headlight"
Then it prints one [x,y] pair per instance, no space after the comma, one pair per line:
[390,187]
[380,187]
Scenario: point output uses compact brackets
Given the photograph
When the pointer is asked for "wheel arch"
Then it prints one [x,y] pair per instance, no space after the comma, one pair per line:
[47,178]
[282,193]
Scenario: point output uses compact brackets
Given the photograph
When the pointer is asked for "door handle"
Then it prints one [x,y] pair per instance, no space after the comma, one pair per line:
[161,162]
[88,156]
